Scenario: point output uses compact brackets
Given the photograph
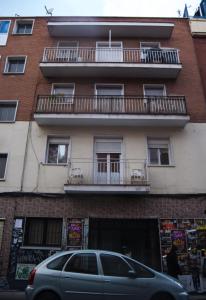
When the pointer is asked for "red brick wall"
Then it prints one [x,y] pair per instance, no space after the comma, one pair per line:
[26,87]
[200,47]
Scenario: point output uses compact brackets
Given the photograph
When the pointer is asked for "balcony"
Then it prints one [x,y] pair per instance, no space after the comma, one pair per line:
[112,62]
[108,177]
[111,111]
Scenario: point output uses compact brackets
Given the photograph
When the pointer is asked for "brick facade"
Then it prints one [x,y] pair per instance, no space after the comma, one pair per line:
[26,88]
[188,82]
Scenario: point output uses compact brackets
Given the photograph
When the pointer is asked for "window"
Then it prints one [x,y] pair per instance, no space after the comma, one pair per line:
[59,262]
[154,90]
[108,168]
[64,91]
[140,270]
[150,45]
[109,98]
[159,152]
[3,163]
[43,232]
[151,52]
[114,266]
[57,150]
[109,52]
[23,27]
[8,111]
[15,64]
[67,51]
[4,31]
[85,263]
[154,97]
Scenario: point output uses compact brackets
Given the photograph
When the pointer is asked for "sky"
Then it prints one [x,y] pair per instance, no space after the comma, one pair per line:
[138,8]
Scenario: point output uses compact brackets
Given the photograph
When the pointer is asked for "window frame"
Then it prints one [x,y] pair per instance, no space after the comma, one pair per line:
[63,41]
[47,149]
[99,48]
[168,142]
[82,254]
[45,225]
[5,170]
[118,257]
[64,84]
[14,57]
[150,43]
[108,85]
[153,85]
[8,102]
[23,21]
[5,34]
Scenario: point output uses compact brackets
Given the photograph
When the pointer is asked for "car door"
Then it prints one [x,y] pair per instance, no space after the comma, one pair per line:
[118,285]
[80,279]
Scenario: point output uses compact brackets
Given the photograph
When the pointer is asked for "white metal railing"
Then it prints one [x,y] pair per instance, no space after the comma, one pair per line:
[116,172]
[112,104]
[95,55]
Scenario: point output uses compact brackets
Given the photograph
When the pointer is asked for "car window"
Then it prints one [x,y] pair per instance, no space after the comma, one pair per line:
[59,262]
[140,270]
[85,263]
[114,266]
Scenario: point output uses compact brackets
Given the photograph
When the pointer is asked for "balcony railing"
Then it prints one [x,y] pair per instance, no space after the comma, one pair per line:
[167,105]
[105,172]
[110,55]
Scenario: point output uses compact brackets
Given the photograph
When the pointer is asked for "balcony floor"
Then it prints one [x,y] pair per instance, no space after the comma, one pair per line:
[144,188]
[111,120]
[130,70]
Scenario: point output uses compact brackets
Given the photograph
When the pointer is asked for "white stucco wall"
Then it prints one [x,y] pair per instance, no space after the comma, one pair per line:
[198,26]
[13,141]
[186,175]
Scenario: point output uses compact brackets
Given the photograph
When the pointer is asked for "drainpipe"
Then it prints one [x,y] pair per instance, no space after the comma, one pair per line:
[25,156]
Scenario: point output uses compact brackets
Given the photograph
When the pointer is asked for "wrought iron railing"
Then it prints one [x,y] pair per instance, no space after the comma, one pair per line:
[168,105]
[113,55]
[116,172]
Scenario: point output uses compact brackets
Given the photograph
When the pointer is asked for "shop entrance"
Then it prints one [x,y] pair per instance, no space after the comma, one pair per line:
[141,236]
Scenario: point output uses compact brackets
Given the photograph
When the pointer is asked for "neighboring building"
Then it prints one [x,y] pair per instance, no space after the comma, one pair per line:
[102,140]
[198,30]
[201,10]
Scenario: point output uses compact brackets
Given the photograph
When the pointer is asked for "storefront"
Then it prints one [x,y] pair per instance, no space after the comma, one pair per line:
[189,236]
[148,240]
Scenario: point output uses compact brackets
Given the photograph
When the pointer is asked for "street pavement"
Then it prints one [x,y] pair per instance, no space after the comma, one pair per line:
[16,295]
[12,295]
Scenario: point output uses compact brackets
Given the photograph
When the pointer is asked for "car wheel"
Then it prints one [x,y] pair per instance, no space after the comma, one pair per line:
[162,296]
[47,296]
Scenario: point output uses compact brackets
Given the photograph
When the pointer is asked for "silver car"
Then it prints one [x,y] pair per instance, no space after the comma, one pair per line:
[99,275]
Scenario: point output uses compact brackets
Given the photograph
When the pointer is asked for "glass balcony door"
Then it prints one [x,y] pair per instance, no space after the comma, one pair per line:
[109,52]
[109,98]
[108,168]
[108,164]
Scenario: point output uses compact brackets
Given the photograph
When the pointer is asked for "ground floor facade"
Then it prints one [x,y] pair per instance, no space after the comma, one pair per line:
[32,227]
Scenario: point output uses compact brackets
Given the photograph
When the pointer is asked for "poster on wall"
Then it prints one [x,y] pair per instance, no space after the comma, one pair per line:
[75,233]
[166,225]
[23,271]
[178,238]
[189,235]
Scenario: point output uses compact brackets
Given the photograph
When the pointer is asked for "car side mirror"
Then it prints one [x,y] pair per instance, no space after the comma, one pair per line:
[132,274]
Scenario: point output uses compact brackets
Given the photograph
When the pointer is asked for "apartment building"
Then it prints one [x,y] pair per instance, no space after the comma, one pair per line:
[102,140]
